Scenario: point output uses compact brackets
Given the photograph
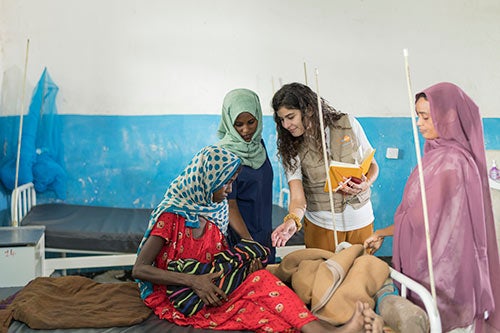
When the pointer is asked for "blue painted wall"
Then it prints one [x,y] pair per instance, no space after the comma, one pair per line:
[128,161]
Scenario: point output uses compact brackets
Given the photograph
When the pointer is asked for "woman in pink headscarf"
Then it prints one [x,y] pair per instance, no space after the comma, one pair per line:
[461,225]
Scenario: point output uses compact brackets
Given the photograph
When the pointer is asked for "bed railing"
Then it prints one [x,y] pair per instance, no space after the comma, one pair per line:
[425,296]
[23,198]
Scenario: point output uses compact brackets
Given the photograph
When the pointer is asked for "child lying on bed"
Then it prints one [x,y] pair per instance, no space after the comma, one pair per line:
[189,224]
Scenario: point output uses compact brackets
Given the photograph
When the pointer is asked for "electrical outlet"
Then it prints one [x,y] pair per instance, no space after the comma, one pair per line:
[392,153]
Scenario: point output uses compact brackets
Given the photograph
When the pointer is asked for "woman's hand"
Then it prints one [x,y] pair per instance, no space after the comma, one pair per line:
[373,243]
[283,233]
[255,265]
[354,186]
[203,285]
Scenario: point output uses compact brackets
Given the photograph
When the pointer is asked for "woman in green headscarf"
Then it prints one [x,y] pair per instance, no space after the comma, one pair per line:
[250,203]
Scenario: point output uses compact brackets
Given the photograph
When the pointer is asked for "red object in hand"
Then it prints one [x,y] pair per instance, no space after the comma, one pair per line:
[356,180]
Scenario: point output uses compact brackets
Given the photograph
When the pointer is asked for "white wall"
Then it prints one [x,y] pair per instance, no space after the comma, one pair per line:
[128,57]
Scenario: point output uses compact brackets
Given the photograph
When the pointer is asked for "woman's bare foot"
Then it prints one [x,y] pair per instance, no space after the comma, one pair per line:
[373,322]
[364,320]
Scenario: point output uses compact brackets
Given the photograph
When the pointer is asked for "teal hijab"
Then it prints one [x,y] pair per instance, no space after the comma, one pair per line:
[253,153]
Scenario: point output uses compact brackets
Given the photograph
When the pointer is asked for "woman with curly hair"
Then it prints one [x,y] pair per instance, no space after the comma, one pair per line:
[300,148]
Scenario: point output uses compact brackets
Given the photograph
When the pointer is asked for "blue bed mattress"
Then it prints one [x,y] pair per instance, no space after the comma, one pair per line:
[76,227]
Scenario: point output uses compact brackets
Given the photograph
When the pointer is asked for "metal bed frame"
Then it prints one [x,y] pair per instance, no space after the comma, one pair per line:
[23,200]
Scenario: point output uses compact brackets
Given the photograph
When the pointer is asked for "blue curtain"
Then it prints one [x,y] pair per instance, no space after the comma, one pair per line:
[41,158]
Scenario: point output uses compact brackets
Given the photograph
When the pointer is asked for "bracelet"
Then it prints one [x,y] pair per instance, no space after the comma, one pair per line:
[295,218]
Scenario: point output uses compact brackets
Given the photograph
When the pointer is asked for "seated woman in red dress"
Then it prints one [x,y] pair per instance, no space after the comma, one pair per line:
[186,225]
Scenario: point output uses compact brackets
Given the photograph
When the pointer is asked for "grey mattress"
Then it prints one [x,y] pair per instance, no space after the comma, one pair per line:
[152,325]
[95,228]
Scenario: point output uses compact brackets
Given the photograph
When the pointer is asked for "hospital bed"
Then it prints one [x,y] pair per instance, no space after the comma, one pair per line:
[108,237]
[84,236]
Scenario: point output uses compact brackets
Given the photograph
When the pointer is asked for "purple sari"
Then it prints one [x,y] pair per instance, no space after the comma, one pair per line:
[461,226]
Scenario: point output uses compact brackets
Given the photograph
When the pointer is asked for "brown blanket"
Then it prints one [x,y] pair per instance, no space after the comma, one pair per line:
[75,302]
[331,283]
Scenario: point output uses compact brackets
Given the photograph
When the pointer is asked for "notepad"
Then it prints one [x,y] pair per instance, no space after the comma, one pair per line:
[339,170]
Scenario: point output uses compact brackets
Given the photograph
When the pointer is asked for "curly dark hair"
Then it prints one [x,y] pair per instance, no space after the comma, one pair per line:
[300,97]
